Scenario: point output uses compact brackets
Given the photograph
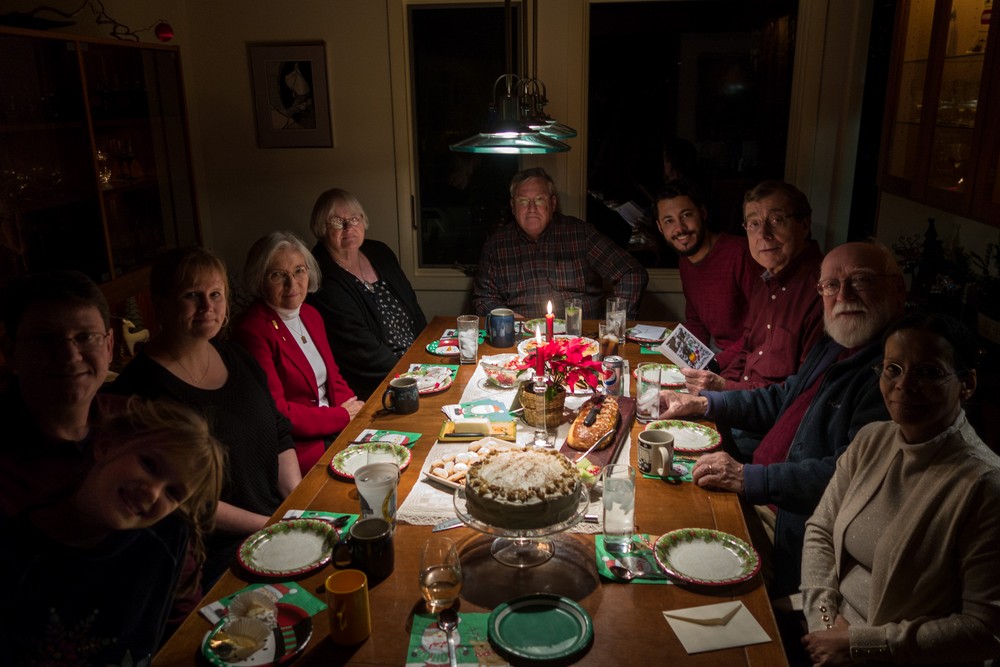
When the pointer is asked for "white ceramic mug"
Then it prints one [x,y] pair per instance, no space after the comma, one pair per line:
[656,452]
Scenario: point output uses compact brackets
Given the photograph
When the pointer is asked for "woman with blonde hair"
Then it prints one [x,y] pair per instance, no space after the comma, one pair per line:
[187,363]
[287,338]
[94,572]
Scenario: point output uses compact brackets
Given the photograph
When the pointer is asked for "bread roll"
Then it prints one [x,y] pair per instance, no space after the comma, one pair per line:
[581,437]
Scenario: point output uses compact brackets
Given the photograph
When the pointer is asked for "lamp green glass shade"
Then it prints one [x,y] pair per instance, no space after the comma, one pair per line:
[509,143]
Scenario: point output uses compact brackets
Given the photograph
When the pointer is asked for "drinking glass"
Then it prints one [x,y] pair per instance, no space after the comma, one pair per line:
[615,314]
[440,573]
[618,500]
[608,339]
[468,338]
[647,392]
[574,316]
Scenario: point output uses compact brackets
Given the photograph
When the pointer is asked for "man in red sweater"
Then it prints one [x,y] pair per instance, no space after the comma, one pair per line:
[717,270]
[785,313]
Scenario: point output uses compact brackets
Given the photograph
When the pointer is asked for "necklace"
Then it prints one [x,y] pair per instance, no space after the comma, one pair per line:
[301,333]
[359,274]
[196,381]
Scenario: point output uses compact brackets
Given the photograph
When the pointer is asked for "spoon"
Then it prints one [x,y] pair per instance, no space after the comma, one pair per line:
[448,621]
[626,574]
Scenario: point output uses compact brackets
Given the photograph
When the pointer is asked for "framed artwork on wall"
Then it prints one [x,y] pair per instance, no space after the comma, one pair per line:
[290,94]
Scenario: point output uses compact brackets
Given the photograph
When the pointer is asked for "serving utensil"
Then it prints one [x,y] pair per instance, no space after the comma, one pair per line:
[626,574]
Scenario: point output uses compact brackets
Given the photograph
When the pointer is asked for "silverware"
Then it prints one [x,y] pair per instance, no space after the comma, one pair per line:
[595,445]
[448,620]
[626,574]
[446,525]
[595,409]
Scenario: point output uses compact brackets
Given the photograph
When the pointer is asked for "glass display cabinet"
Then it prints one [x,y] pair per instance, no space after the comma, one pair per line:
[94,157]
[939,133]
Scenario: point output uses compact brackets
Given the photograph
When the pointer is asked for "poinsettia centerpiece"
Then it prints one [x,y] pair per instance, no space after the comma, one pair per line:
[568,362]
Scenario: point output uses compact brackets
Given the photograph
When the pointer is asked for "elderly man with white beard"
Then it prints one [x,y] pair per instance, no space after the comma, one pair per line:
[809,419]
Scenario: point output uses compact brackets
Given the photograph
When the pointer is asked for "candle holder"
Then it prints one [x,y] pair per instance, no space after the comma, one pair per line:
[542,437]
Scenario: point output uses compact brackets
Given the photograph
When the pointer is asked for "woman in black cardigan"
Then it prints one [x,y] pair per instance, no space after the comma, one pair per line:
[369,308]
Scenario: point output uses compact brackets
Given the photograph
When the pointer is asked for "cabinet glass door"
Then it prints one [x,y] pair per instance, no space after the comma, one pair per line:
[905,130]
[957,101]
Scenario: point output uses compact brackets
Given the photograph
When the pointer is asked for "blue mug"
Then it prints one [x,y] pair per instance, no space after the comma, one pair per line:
[500,324]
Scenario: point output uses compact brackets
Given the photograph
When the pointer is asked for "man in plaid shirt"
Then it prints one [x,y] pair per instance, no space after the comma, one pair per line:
[548,256]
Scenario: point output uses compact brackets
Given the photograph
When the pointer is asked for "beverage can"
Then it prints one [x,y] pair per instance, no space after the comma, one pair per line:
[613,368]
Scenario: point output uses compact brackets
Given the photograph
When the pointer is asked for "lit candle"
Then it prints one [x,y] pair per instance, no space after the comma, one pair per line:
[550,322]
[539,360]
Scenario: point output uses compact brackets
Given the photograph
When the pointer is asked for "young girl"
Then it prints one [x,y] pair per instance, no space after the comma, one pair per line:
[91,576]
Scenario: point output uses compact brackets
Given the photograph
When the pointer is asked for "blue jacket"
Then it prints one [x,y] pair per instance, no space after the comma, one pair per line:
[848,398]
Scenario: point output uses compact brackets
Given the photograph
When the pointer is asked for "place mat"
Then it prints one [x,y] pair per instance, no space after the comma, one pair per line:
[429,503]
[639,559]
[429,644]
[289,592]
[405,438]
[678,461]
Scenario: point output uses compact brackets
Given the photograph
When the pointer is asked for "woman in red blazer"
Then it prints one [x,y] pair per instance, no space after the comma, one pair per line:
[288,339]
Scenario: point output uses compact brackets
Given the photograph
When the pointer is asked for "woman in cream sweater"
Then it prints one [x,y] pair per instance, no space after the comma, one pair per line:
[900,563]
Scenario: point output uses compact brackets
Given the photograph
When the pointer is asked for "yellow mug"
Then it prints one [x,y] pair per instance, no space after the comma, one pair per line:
[347,602]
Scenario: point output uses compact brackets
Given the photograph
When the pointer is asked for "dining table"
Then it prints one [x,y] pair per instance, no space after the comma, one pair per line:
[628,624]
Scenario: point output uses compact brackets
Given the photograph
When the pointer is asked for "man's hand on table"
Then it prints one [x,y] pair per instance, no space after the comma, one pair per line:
[718,470]
[697,381]
[674,405]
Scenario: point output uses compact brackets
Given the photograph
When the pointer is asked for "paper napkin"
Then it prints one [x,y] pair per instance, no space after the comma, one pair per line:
[715,626]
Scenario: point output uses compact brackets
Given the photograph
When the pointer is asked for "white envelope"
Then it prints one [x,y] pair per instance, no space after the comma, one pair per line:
[715,626]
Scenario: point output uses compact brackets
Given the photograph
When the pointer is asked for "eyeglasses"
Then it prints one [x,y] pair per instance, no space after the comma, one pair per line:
[278,277]
[859,282]
[776,221]
[85,340]
[525,202]
[340,223]
[921,376]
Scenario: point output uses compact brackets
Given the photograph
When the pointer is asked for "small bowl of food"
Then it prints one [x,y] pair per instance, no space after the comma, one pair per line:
[501,370]
[588,473]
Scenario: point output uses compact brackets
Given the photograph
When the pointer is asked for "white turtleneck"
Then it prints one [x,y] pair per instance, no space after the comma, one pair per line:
[303,337]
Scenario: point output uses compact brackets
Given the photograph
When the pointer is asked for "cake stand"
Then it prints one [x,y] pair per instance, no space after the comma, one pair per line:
[521,547]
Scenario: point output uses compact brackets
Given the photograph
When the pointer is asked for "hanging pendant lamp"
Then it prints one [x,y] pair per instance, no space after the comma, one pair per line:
[509,132]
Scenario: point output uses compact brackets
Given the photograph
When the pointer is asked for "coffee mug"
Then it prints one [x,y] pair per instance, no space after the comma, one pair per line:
[402,396]
[367,547]
[500,324]
[656,453]
[348,606]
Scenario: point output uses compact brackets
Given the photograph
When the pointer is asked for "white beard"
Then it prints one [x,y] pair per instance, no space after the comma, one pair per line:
[852,333]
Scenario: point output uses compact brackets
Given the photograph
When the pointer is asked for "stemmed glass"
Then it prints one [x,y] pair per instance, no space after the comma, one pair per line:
[440,574]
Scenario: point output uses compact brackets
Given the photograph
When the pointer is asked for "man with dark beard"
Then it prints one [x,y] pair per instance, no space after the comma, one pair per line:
[718,273]
[811,417]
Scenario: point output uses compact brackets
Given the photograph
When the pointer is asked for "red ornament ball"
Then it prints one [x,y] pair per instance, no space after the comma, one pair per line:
[164,32]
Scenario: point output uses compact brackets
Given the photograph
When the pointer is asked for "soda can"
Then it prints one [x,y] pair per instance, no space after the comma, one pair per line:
[612,377]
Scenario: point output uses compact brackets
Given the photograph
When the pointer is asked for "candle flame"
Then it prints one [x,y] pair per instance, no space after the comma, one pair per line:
[538,334]
[550,307]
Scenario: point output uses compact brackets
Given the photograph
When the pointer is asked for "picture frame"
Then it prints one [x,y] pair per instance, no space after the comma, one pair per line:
[290,94]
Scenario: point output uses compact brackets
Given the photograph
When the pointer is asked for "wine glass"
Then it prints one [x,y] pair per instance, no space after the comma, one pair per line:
[440,573]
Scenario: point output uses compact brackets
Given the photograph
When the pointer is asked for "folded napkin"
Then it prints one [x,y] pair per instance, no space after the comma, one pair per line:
[289,592]
[715,626]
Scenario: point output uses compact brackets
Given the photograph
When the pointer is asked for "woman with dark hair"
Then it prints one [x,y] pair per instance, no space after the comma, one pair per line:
[370,310]
[900,557]
[287,338]
[185,362]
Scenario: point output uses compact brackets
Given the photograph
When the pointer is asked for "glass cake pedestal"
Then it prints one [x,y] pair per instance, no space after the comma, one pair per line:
[526,547]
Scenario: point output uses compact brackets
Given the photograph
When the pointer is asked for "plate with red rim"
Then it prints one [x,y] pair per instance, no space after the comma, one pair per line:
[431,379]
[670,375]
[527,346]
[689,437]
[347,461]
[288,548]
[530,327]
[706,557]
[294,631]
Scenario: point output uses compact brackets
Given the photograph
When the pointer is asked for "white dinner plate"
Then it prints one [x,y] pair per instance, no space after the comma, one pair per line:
[689,437]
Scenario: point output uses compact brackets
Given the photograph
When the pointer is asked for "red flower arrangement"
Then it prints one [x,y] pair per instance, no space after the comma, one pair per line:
[569,362]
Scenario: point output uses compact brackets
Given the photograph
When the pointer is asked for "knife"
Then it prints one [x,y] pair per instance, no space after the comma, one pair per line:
[595,410]
[446,525]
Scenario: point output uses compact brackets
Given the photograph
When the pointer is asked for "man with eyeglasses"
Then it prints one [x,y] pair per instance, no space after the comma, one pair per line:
[718,273]
[547,256]
[59,343]
[809,419]
[785,316]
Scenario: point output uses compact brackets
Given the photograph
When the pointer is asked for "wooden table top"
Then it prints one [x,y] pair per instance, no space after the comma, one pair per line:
[628,625]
